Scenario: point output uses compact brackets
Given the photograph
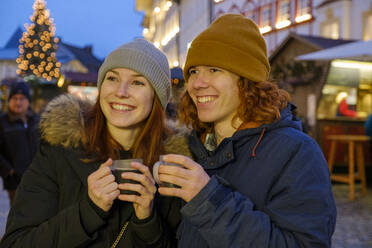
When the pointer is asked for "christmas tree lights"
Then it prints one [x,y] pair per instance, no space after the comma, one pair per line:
[38,46]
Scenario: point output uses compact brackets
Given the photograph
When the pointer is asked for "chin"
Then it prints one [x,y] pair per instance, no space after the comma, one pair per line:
[126,125]
[122,124]
[206,118]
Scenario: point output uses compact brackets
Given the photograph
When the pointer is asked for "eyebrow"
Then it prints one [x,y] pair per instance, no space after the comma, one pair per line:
[115,72]
[138,75]
[133,75]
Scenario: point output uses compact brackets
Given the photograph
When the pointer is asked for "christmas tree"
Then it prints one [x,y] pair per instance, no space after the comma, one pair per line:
[38,46]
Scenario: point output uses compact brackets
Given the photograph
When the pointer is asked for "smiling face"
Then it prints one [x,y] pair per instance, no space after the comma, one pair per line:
[215,93]
[126,98]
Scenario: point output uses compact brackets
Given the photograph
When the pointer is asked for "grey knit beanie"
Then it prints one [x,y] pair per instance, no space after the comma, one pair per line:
[143,57]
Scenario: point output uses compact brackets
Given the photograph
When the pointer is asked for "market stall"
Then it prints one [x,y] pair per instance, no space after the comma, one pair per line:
[346,99]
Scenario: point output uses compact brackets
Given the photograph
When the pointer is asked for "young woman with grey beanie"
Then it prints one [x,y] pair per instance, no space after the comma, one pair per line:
[69,197]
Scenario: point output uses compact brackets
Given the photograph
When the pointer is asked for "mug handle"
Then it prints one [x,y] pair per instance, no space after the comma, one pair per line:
[155,172]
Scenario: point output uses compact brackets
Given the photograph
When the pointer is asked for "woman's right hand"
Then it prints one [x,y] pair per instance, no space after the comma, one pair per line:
[102,188]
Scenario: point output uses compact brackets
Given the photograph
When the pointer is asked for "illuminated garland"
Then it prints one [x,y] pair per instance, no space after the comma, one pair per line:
[37,49]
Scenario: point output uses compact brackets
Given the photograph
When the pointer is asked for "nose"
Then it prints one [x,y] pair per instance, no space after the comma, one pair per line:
[123,91]
[199,81]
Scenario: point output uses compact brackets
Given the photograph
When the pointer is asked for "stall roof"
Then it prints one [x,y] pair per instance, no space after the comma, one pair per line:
[315,42]
[358,50]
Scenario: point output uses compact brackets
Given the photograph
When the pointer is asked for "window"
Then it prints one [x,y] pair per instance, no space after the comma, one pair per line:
[265,16]
[265,19]
[367,34]
[303,7]
[284,14]
[284,10]
[303,11]
[331,29]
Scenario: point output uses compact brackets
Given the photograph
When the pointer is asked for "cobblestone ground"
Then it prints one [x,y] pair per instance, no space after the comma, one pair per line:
[354,218]
[353,227]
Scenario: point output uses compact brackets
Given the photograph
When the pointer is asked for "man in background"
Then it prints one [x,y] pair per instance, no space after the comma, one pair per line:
[18,137]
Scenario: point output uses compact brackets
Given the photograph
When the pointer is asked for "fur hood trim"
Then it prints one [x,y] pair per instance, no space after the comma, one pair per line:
[62,122]
[177,143]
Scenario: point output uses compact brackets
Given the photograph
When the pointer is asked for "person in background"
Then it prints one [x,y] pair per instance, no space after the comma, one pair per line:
[255,179]
[69,197]
[19,137]
[344,100]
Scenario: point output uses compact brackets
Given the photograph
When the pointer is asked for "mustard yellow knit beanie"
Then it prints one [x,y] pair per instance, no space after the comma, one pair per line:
[232,42]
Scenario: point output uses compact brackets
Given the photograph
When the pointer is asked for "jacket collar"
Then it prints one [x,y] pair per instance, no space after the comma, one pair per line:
[223,154]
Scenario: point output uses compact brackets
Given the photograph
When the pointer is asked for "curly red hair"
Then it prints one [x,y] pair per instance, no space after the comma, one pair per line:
[260,102]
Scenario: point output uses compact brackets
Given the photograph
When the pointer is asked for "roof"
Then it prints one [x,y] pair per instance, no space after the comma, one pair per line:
[81,77]
[317,42]
[358,50]
[13,42]
[84,55]
[65,52]
[9,54]
[322,42]
[64,55]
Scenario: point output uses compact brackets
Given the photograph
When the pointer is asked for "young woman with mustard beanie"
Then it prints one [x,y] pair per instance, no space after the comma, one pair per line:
[255,179]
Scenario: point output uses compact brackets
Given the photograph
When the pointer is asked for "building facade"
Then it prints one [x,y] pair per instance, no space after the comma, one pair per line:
[172,25]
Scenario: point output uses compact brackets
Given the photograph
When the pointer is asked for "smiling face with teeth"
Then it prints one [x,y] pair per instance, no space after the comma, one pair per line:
[215,94]
[126,99]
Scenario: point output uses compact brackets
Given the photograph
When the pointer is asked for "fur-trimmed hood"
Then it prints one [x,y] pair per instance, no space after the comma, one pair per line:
[62,123]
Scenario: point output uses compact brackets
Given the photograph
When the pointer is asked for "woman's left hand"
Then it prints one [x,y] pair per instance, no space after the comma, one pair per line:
[143,203]
[191,177]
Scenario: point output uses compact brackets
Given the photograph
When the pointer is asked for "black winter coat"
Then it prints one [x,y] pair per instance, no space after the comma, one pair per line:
[52,207]
[18,145]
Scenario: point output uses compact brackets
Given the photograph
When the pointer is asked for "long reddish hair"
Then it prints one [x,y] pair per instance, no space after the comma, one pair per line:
[100,145]
[260,102]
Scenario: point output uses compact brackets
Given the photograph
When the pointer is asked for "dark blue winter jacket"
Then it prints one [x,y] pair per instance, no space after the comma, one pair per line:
[269,187]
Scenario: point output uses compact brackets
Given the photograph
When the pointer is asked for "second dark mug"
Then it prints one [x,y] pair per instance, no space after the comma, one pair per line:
[121,166]
[155,173]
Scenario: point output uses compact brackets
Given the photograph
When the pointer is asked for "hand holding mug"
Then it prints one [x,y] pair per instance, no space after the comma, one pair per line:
[155,172]
[102,188]
[190,176]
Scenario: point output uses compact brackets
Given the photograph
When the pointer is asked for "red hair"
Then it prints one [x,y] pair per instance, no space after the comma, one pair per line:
[148,145]
[260,102]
